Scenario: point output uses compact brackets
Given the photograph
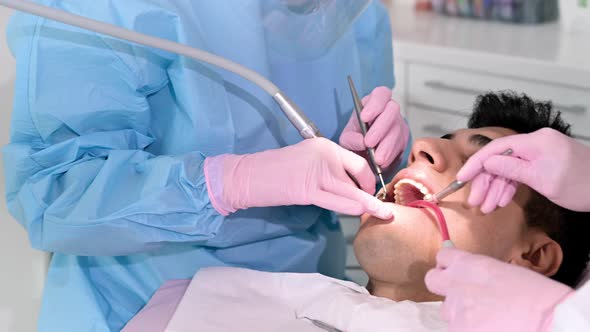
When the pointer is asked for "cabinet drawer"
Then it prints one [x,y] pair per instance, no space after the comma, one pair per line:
[428,121]
[455,90]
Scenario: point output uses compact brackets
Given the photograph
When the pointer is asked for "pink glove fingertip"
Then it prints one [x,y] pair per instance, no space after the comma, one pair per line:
[494,194]
[379,209]
[393,145]
[508,194]
[352,140]
[436,281]
[479,188]
[379,97]
[470,170]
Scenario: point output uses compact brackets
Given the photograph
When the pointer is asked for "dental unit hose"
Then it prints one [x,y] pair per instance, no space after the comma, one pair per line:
[302,123]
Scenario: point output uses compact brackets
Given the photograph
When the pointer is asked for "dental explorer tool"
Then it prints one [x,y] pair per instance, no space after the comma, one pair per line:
[454,186]
[304,126]
[358,106]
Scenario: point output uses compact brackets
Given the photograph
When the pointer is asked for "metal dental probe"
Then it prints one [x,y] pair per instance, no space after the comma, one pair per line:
[358,106]
[454,186]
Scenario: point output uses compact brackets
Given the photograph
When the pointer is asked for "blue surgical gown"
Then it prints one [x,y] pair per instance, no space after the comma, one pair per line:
[105,162]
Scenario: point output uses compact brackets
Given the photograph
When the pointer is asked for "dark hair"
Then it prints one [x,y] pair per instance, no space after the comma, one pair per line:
[568,228]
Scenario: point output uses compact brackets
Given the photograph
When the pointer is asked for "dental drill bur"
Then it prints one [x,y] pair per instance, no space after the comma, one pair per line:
[358,106]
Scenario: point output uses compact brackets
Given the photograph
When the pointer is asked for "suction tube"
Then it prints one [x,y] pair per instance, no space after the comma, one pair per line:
[440,218]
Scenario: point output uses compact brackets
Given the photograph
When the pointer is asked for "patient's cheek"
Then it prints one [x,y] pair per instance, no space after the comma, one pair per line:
[492,235]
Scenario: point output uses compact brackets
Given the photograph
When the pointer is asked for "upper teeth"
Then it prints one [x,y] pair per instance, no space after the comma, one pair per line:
[418,185]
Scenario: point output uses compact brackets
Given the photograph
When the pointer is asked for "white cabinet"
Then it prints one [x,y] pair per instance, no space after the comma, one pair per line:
[426,121]
[443,63]
[442,97]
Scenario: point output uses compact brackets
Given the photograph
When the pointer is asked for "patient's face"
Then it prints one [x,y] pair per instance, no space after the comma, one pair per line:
[403,250]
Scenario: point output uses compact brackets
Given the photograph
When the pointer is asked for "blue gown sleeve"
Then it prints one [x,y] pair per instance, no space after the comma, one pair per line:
[79,175]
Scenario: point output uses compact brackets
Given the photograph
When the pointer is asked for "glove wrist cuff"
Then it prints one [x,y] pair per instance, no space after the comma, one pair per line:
[215,178]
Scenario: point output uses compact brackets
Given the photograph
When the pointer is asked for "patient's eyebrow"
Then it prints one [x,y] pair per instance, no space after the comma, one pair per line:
[479,140]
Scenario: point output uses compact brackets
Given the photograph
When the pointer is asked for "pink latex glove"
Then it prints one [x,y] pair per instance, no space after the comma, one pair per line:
[484,294]
[546,160]
[310,172]
[388,132]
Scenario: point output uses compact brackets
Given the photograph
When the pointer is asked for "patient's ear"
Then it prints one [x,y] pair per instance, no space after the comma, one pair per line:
[539,253]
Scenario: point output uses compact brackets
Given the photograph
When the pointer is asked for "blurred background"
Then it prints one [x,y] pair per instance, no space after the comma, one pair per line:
[446,52]
[22,269]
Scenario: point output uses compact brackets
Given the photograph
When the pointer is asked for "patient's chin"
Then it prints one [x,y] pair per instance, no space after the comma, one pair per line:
[400,251]
[390,259]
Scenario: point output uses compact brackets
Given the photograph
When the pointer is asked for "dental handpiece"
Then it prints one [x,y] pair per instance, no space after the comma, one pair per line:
[453,187]
[358,106]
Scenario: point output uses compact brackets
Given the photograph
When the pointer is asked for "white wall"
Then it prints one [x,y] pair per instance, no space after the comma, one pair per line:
[21,269]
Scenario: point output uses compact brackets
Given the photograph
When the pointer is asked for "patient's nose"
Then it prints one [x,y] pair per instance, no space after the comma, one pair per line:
[427,150]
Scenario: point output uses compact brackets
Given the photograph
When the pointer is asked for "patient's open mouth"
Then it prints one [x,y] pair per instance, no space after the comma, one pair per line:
[409,190]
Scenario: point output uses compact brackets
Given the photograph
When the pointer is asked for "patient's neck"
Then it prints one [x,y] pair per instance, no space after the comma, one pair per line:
[395,292]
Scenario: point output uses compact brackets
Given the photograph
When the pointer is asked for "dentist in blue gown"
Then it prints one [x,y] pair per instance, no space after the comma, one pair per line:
[108,142]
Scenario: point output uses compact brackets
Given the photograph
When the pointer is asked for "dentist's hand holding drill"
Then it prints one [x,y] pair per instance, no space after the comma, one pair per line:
[313,171]
[484,294]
